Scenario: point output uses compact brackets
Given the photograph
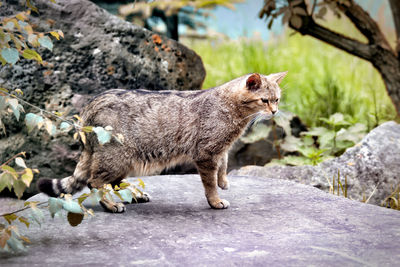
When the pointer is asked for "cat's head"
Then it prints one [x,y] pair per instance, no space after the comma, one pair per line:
[262,92]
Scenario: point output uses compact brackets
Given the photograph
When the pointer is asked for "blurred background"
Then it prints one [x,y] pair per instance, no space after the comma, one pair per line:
[232,41]
[336,98]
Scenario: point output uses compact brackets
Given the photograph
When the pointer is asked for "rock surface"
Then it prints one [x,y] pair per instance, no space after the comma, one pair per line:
[373,163]
[99,52]
[270,222]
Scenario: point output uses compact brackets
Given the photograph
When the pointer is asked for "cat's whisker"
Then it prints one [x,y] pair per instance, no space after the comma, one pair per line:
[250,116]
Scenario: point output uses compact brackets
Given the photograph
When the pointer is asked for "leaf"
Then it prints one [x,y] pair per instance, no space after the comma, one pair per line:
[95,196]
[55,205]
[13,102]
[10,55]
[120,138]
[74,219]
[19,188]
[126,195]
[15,244]
[55,34]
[25,239]
[27,177]
[102,135]
[315,131]
[2,60]
[83,137]
[6,180]
[4,236]
[21,16]
[50,128]
[33,120]
[10,170]
[24,220]
[33,40]
[46,42]
[36,214]
[9,26]
[29,4]
[141,183]
[20,162]
[31,54]
[10,217]
[78,118]
[19,91]
[291,143]
[65,127]
[72,206]
[322,12]
[296,21]
[82,198]
[87,129]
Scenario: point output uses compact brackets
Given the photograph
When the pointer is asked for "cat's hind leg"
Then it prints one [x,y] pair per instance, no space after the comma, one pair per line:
[223,182]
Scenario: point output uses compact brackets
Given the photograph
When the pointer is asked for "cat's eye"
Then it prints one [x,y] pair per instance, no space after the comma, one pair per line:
[264,100]
[276,100]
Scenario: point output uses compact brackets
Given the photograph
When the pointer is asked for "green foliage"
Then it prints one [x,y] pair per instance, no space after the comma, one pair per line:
[322,80]
[11,240]
[18,180]
[17,38]
[103,135]
[321,143]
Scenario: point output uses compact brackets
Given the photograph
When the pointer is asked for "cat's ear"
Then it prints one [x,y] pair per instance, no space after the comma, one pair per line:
[277,77]
[253,82]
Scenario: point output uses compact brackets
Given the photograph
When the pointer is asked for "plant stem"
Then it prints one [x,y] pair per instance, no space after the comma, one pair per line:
[13,157]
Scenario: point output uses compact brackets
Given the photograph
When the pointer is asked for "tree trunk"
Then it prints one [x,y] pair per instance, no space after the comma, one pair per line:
[388,65]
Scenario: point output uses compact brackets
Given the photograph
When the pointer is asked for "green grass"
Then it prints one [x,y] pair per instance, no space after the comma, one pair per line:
[322,80]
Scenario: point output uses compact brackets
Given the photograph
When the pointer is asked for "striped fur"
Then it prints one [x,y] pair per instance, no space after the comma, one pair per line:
[162,129]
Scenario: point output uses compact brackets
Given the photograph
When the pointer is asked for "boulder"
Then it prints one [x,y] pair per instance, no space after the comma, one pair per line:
[270,222]
[100,51]
[371,167]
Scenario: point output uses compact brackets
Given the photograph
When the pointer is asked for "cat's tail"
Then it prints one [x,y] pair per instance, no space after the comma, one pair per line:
[68,185]
[55,187]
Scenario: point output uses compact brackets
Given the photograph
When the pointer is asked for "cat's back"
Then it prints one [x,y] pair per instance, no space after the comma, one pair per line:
[118,106]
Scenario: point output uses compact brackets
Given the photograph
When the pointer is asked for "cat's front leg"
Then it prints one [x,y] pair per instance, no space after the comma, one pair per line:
[223,182]
[208,170]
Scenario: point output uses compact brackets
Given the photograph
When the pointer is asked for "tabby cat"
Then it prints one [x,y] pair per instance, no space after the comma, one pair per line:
[165,128]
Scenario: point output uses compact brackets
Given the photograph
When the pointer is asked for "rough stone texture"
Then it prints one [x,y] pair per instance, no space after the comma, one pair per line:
[99,52]
[375,161]
[270,223]
[10,204]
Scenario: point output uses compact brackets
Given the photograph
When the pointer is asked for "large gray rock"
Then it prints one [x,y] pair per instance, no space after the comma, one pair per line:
[99,52]
[372,167]
[270,223]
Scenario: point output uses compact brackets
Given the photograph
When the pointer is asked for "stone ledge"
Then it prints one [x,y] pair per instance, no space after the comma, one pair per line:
[270,222]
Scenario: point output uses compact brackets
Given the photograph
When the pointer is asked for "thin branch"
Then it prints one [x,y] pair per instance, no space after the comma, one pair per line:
[42,110]
[352,46]
[395,7]
[364,23]
[8,161]
[24,208]
[313,7]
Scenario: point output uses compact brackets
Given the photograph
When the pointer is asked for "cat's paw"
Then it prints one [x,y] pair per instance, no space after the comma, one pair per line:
[113,207]
[220,204]
[143,198]
[224,184]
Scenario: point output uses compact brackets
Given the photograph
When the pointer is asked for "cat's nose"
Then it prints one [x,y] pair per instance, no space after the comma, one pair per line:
[273,111]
